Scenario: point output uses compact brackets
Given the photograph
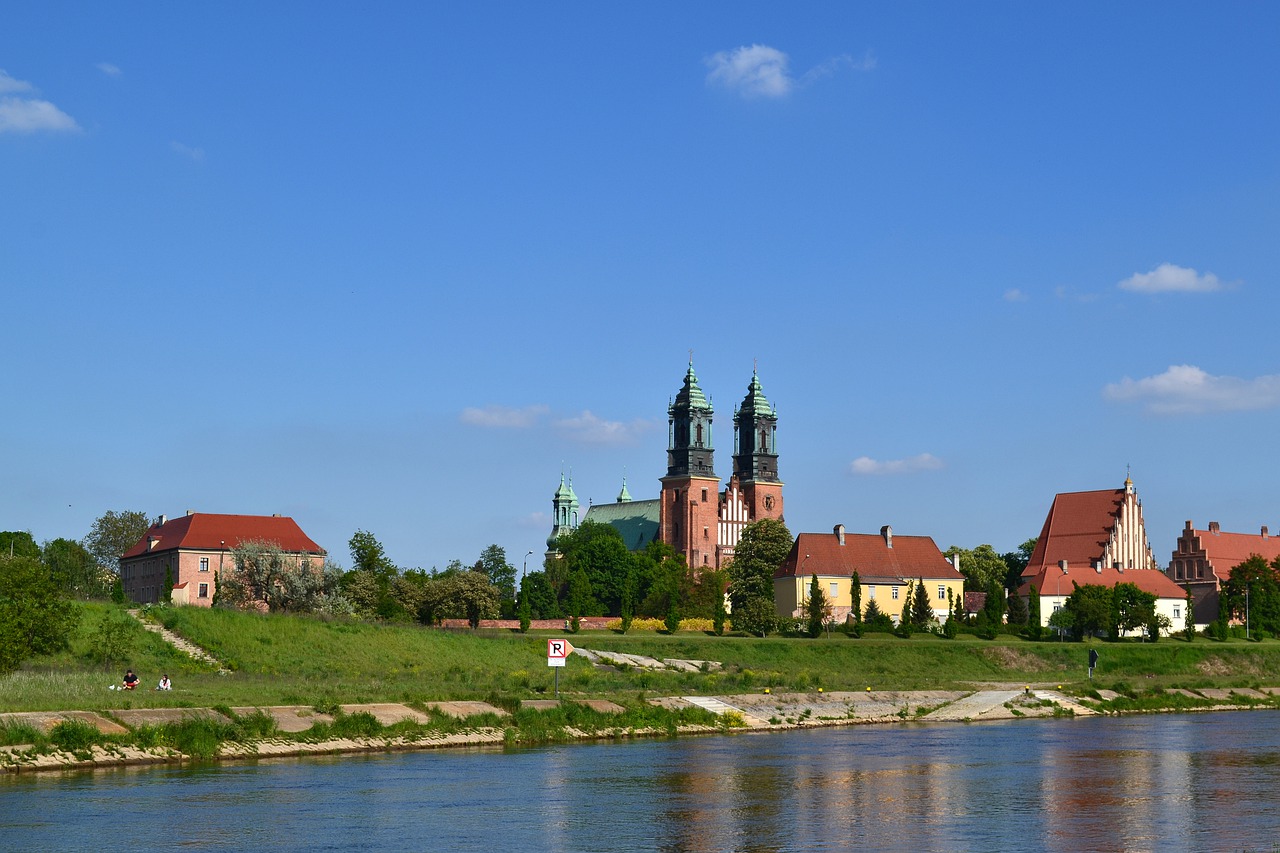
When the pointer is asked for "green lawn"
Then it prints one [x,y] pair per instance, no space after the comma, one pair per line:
[304,661]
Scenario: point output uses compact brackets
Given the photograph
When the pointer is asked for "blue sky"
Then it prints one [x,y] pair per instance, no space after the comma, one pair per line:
[396,268]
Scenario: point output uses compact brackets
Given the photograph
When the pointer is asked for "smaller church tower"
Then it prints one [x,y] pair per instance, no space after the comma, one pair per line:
[755,453]
[564,509]
[688,513]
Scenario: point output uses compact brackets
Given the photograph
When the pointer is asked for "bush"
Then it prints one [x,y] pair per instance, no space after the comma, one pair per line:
[75,736]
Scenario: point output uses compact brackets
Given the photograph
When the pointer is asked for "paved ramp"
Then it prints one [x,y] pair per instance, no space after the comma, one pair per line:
[720,707]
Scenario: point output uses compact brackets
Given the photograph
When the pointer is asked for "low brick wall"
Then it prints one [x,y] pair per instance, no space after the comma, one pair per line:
[594,623]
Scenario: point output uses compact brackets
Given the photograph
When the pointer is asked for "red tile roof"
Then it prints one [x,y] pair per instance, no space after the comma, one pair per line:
[1225,551]
[1051,581]
[1076,529]
[868,554]
[206,531]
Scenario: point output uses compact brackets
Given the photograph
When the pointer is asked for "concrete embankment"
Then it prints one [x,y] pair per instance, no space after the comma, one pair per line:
[758,712]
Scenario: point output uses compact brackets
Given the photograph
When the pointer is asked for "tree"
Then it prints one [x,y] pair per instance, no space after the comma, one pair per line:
[951,627]
[454,594]
[994,606]
[263,577]
[18,543]
[816,607]
[921,608]
[1090,609]
[1189,626]
[876,619]
[1017,609]
[1034,620]
[113,534]
[493,563]
[905,624]
[537,593]
[1253,586]
[761,549]
[1131,608]
[980,567]
[35,615]
[855,597]
[598,550]
[1017,562]
[75,569]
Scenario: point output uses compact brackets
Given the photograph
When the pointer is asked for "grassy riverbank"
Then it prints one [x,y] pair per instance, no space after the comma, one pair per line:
[285,660]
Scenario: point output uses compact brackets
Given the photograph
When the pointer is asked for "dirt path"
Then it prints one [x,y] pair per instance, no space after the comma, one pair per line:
[179,643]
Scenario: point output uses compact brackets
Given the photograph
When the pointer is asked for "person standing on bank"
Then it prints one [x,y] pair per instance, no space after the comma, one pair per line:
[1093,661]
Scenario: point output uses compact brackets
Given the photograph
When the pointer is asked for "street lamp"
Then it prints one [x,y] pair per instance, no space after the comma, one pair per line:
[524,570]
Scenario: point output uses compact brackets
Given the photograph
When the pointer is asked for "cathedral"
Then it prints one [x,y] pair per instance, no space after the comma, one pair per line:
[693,514]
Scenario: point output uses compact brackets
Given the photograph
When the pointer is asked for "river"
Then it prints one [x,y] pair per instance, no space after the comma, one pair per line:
[1201,782]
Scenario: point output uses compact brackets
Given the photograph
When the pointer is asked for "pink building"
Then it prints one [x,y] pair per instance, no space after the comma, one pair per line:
[194,548]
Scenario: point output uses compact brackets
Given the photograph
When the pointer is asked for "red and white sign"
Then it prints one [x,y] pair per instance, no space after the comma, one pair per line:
[558,652]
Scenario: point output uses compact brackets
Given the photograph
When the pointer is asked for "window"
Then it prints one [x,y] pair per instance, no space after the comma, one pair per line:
[1057,607]
[1177,611]
[895,594]
[704,495]
[705,533]
[835,589]
[204,590]
[204,564]
[942,592]
[871,591]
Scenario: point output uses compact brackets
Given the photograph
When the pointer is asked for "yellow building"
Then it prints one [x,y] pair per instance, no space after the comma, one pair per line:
[886,565]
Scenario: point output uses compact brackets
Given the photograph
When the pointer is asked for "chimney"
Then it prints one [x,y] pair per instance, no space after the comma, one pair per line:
[162,520]
[887,533]
[1062,564]
[838,530]
[1213,528]
[1188,528]
[955,561]
[1265,532]
[275,515]
[191,512]
[152,541]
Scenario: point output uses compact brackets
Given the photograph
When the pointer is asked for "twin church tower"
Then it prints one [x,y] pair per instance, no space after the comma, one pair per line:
[693,515]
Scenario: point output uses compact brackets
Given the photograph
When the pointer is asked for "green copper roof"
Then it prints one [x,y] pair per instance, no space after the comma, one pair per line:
[624,496]
[691,395]
[636,521]
[755,400]
[565,492]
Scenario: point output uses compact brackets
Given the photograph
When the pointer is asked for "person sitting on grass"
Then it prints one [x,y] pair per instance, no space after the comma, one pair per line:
[130,680]
[164,684]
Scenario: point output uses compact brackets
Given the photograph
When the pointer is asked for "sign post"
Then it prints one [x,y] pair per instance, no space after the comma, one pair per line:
[557,653]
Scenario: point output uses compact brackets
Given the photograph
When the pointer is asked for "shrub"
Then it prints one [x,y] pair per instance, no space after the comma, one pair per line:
[75,736]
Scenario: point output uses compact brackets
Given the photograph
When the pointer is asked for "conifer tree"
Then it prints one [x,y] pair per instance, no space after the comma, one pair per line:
[921,609]
[1034,621]
[816,607]
[855,596]
[904,619]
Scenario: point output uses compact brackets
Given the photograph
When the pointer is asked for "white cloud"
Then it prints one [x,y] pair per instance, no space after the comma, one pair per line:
[756,71]
[502,417]
[866,466]
[1013,294]
[22,113]
[29,115]
[591,429]
[1170,278]
[1187,390]
[108,69]
[760,71]
[194,153]
[9,84]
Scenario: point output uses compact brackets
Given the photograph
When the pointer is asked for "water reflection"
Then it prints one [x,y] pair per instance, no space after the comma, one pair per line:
[1148,783]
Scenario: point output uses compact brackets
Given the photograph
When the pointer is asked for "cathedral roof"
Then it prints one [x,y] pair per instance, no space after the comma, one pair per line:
[1077,528]
[565,492]
[636,521]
